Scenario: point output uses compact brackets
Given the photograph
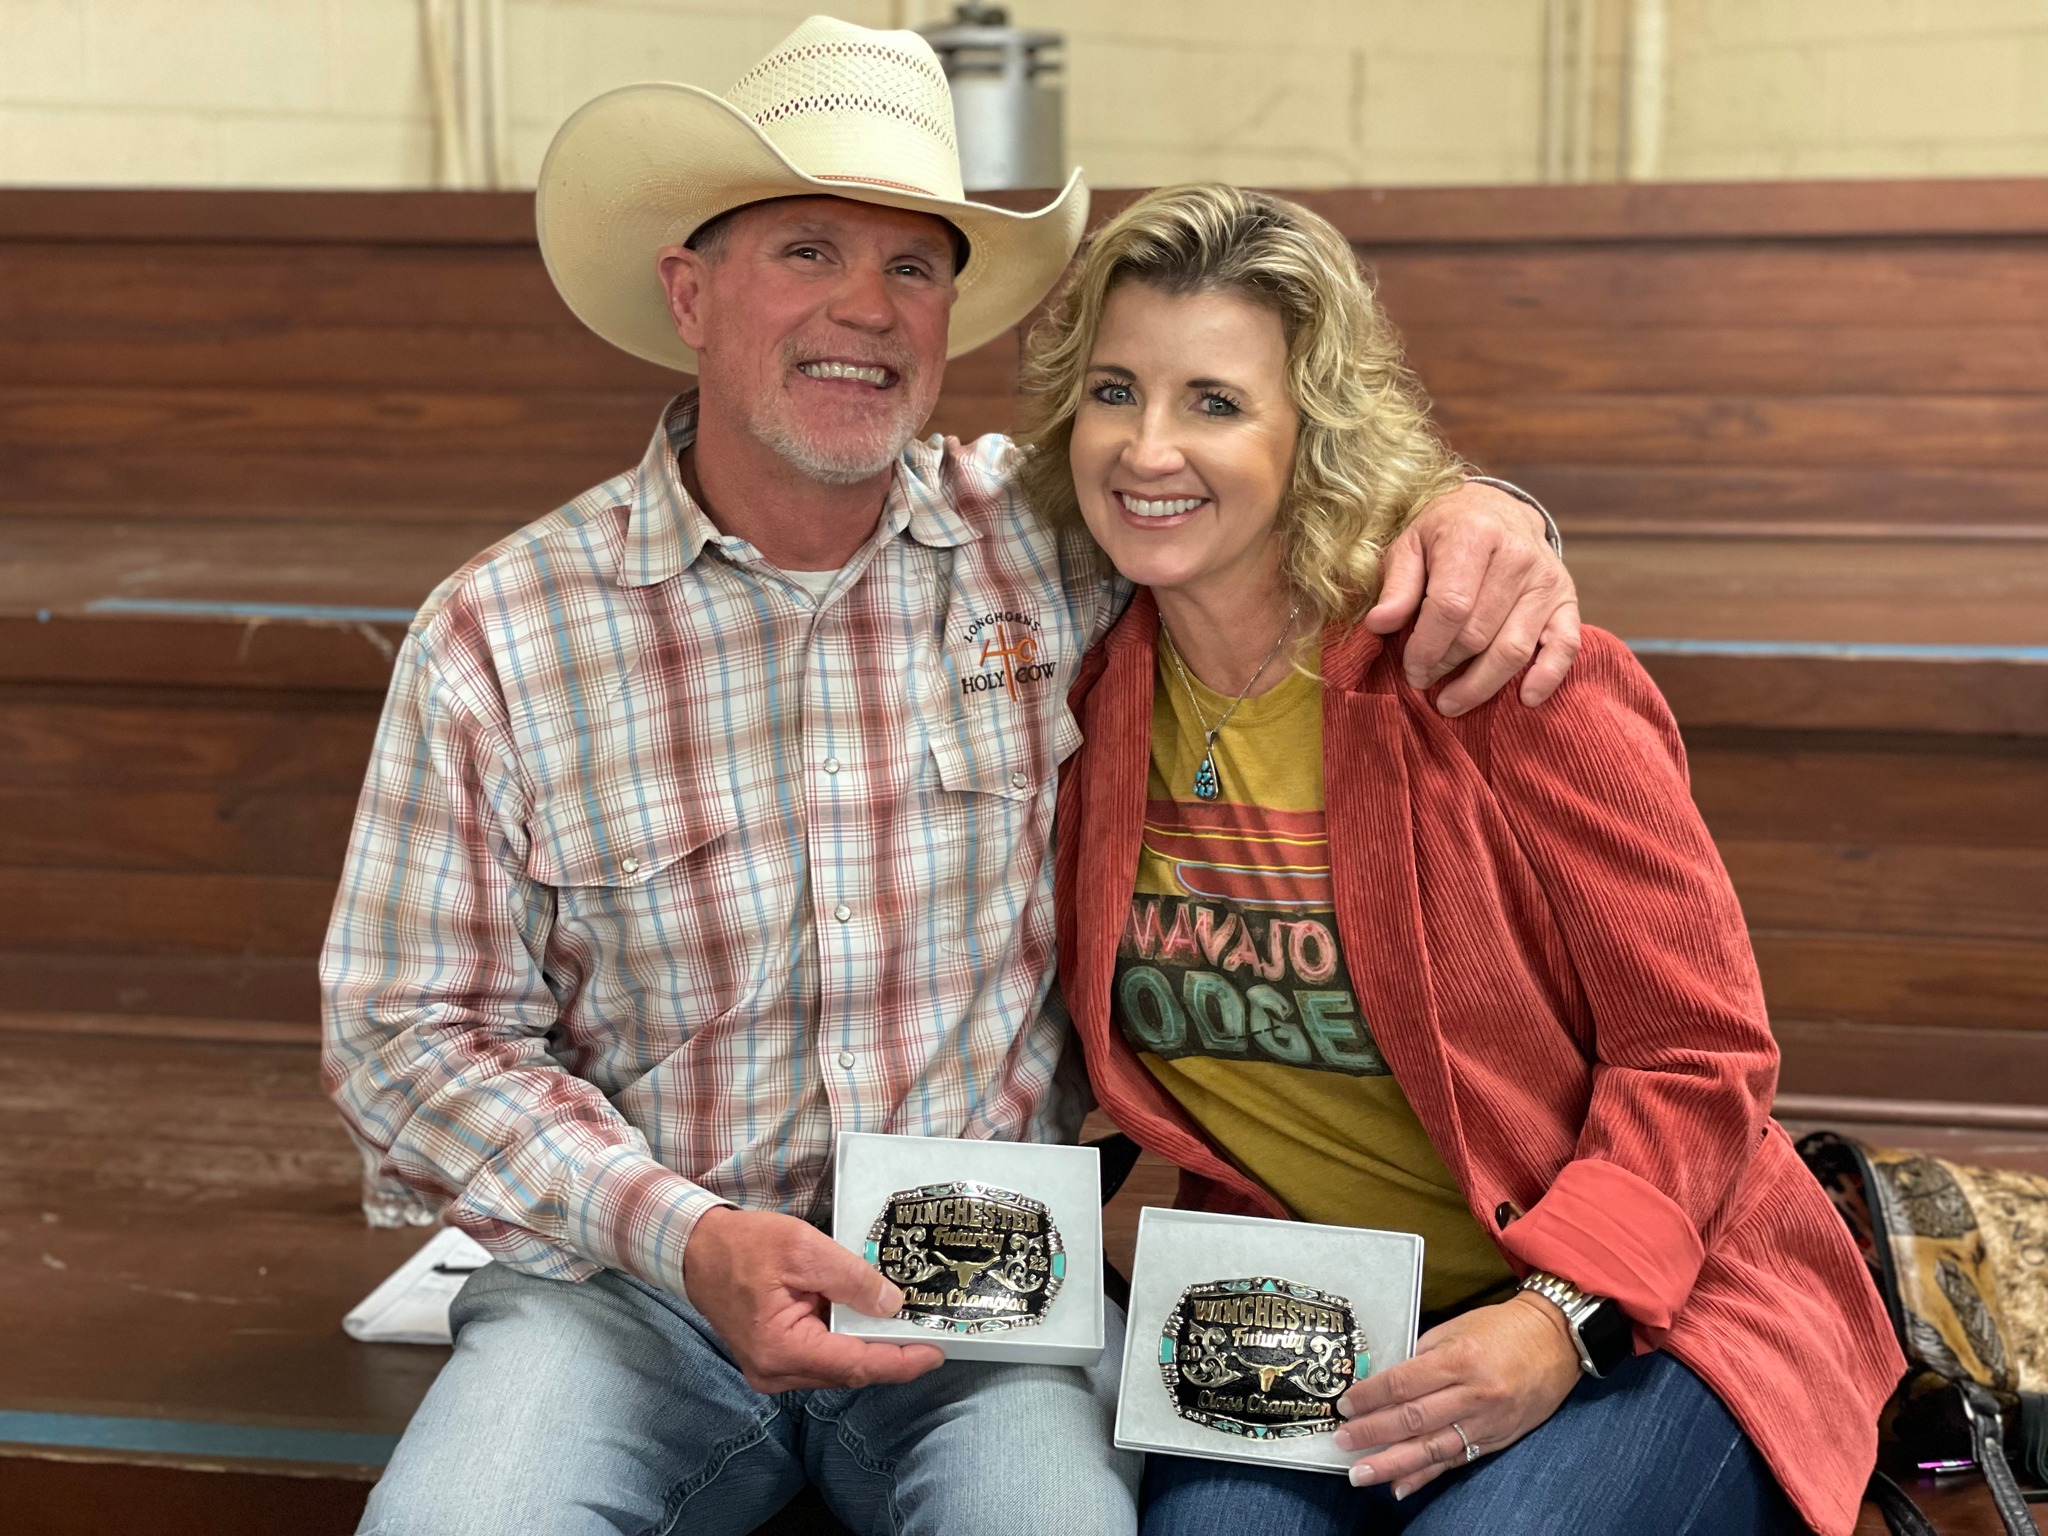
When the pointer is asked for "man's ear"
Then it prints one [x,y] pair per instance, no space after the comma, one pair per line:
[684,274]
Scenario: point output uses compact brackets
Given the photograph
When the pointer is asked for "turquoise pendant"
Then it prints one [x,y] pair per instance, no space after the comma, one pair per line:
[1206,787]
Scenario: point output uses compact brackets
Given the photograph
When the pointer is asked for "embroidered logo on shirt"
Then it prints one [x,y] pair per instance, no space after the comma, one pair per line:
[1003,653]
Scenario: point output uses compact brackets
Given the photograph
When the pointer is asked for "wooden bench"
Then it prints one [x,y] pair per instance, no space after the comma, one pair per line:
[1792,434]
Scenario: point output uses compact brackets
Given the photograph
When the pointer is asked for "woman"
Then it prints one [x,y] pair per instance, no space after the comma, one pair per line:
[1340,958]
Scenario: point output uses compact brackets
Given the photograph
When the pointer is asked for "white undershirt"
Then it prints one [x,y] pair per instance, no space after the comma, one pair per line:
[814,582]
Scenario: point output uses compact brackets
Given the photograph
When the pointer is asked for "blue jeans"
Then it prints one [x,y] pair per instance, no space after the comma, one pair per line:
[610,1408]
[1647,1449]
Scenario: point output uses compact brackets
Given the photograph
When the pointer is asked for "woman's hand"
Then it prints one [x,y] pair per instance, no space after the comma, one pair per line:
[1497,1371]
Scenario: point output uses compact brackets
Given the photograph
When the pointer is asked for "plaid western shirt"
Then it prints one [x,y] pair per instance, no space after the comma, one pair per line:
[663,873]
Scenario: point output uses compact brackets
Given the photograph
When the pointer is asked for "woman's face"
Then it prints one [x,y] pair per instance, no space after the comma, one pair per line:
[1184,441]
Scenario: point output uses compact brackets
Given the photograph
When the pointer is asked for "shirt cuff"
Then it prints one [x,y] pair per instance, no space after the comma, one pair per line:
[630,1213]
[1612,1233]
[1550,534]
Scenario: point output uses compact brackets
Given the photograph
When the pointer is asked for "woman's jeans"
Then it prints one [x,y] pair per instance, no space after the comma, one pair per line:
[611,1409]
[1647,1449]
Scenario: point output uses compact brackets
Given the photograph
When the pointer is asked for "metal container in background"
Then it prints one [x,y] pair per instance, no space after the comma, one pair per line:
[1008,106]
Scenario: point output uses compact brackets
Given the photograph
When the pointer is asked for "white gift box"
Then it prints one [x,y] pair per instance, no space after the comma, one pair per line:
[1378,1273]
[1066,1181]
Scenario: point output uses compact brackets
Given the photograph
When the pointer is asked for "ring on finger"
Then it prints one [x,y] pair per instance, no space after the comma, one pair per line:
[1472,1452]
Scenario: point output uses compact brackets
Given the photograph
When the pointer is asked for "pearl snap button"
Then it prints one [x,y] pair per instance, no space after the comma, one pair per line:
[846,1059]
[630,866]
[1019,779]
[831,765]
[843,912]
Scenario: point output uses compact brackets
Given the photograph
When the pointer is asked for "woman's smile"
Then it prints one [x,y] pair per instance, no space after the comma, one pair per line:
[1154,511]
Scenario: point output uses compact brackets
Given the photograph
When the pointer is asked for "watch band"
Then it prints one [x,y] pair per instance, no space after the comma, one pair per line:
[1600,1330]
[1550,534]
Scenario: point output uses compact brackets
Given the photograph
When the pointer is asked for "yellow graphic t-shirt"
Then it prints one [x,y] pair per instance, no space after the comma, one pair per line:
[1231,984]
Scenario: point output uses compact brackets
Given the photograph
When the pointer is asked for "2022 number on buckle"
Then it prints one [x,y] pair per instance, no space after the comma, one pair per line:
[969,1258]
[1261,1357]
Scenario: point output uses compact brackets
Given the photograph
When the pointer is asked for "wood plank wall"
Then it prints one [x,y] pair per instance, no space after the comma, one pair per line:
[1740,400]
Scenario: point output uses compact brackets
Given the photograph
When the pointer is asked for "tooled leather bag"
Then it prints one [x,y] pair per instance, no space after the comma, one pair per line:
[1960,1256]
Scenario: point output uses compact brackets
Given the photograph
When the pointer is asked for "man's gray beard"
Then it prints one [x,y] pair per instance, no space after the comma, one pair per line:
[847,467]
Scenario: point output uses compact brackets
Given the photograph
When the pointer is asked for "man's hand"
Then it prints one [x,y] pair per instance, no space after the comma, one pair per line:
[1495,592]
[1498,1372]
[763,1282]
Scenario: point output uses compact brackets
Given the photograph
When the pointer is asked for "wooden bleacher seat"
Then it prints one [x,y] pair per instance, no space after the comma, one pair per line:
[1791,433]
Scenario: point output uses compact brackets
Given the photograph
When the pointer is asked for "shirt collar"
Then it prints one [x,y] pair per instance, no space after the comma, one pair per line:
[667,531]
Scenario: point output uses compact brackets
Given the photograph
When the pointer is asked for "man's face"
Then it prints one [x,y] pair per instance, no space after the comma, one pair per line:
[821,324]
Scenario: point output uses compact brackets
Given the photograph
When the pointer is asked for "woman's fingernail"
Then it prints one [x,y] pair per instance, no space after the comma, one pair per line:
[1361,1475]
[1401,1492]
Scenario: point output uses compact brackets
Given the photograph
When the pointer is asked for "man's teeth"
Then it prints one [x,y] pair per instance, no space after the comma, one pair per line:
[875,376]
[1142,508]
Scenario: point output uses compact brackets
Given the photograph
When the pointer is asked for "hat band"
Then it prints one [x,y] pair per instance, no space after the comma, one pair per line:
[894,186]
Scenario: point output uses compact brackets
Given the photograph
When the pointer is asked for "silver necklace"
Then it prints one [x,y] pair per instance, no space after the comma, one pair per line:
[1206,785]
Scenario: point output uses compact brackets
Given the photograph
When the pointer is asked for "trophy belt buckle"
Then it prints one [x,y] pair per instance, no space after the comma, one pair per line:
[1262,1357]
[969,1258]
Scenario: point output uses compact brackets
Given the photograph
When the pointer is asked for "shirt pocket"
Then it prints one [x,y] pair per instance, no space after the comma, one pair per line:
[611,814]
[989,807]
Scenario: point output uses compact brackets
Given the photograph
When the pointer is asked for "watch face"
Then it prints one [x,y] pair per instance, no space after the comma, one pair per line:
[1608,1336]
[1261,1357]
[969,1258]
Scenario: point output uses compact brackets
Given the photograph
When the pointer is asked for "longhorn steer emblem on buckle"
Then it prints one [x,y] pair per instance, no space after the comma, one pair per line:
[969,1258]
[1261,1356]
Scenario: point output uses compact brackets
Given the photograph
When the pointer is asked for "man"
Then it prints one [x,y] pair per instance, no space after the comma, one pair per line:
[709,818]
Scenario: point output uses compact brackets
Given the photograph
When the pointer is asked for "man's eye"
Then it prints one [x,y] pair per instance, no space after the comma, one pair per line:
[807,252]
[1112,394]
[910,269]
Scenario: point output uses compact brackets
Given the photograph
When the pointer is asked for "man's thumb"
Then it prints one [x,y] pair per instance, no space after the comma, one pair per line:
[1400,587]
[838,1276]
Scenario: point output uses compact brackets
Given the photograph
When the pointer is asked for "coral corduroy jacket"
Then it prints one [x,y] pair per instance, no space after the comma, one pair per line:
[1552,960]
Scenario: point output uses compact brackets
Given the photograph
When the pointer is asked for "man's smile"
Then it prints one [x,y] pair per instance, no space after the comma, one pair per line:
[828,369]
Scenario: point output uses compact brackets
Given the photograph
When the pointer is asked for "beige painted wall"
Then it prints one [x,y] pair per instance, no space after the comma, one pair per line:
[1318,92]
[1826,88]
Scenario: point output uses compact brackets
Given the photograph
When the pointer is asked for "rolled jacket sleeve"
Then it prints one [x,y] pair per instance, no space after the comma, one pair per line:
[436,1007]
[1594,785]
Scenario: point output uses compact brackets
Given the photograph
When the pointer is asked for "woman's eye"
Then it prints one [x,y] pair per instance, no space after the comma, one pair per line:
[1112,394]
[1218,405]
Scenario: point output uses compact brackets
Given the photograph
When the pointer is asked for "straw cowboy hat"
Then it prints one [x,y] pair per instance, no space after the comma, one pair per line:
[834,109]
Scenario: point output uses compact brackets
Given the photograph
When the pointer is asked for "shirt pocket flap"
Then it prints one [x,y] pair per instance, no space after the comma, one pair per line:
[976,760]
[622,830]
[628,851]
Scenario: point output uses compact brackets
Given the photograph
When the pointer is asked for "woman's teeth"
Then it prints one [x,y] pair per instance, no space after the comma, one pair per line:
[875,376]
[1139,507]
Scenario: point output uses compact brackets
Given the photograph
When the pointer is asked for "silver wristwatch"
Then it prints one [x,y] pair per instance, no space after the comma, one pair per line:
[1600,1330]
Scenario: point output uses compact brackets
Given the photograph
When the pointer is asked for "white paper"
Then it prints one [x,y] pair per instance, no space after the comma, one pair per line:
[411,1306]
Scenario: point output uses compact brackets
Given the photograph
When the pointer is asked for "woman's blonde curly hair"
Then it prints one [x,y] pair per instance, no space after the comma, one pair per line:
[1366,457]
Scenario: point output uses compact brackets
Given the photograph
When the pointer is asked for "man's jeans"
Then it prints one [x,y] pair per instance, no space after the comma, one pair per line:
[610,1407]
[1649,1449]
